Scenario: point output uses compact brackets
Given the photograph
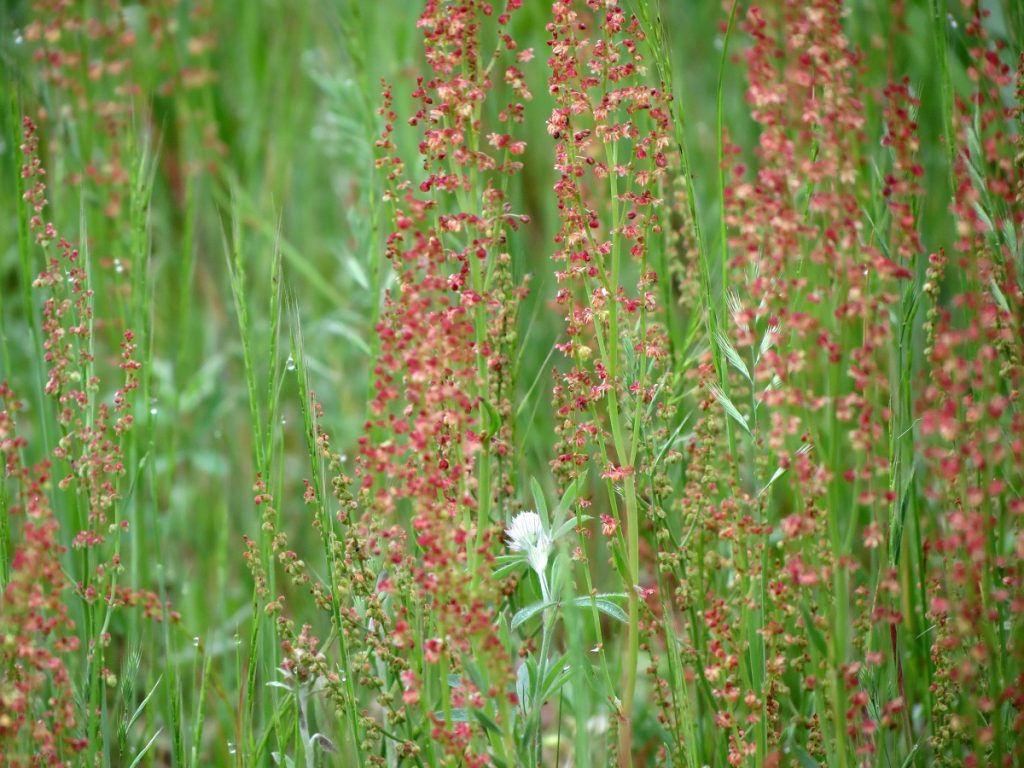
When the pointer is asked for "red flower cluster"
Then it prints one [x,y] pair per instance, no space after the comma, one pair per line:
[38,635]
[439,413]
[38,714]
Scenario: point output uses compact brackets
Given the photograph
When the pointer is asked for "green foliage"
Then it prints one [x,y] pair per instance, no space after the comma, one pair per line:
[818,464]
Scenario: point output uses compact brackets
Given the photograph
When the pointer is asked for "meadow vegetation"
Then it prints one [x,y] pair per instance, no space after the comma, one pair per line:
[512,383]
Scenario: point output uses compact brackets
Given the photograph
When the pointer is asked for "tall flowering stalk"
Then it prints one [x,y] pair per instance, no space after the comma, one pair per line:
[411,542]
[430,465]
[812,343]
[823,318]
[82,479]
[969,408]
[39,720]
[612,142]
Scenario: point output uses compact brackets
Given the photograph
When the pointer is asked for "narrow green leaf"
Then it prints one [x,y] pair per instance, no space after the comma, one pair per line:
[527,613]
[779,472]
[540,501]
[619,558]
[569,525]
[341,328]
[509,568]
[611,609]
[604,605]
[557,677]
[732,355]
[569,497]
[145,701]
[896,524]
[492,419]
[730,409]
[999,297]
[768,340]
[356,272]
[145,749]
[671,440]
[524,684]
[909,760]
[485,720]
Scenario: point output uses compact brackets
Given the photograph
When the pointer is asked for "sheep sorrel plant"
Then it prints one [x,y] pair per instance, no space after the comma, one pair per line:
[512,383]
[57,662]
